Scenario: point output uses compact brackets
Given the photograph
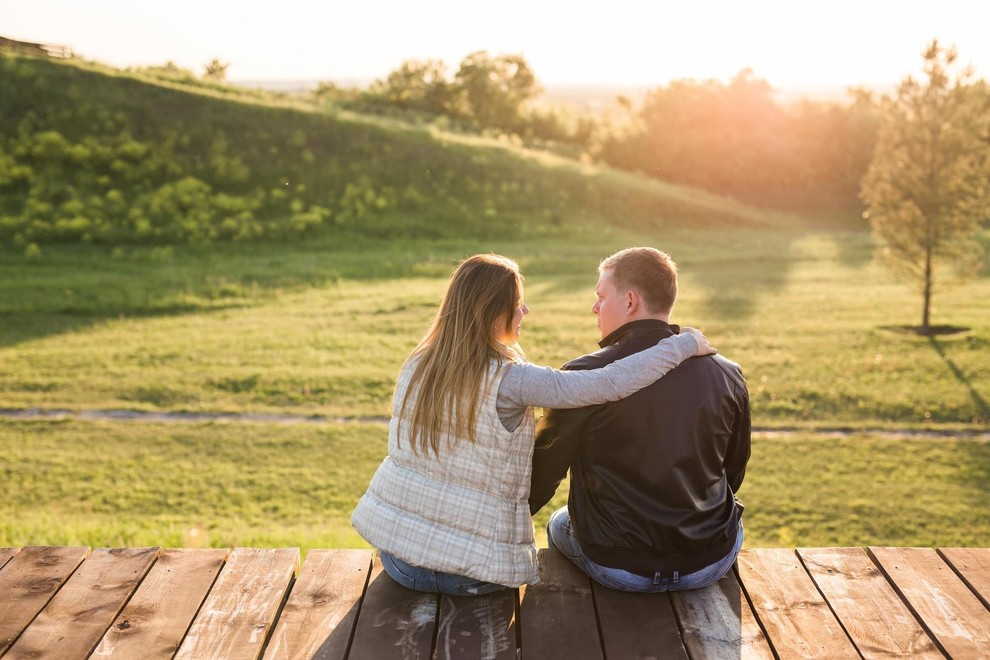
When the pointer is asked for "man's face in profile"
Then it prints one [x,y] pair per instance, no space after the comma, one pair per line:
[609,305]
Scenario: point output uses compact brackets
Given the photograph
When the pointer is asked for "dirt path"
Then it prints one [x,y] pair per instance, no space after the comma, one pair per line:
[980,434]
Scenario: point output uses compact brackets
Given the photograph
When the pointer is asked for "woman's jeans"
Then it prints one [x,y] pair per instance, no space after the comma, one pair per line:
[434,582]
[561,536]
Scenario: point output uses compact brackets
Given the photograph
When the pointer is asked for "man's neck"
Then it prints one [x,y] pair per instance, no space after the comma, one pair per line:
[630,326]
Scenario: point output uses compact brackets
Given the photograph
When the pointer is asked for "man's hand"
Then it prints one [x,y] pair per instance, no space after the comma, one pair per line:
[704,347]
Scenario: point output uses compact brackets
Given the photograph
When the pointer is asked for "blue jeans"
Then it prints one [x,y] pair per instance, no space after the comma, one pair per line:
[560,534]
[434,582]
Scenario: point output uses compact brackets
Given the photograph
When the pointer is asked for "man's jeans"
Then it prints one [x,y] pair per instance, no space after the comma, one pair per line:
[561,536]
[434,582]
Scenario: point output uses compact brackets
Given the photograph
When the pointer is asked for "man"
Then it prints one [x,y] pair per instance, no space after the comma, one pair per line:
[652,503]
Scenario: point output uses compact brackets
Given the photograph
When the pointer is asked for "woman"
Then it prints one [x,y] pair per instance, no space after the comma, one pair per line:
[447,508]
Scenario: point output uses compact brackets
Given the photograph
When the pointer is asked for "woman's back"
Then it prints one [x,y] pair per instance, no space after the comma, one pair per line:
[463,510]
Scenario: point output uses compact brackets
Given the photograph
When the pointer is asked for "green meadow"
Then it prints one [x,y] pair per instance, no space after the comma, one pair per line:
[162,281]
[265,485]
[322,329]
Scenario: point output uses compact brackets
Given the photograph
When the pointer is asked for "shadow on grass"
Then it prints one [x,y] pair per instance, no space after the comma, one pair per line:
[933,331]
[982,408]
[74,288]
[737,272]
[731,270]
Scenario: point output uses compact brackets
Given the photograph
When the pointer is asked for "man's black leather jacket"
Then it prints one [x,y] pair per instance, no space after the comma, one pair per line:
[653,476]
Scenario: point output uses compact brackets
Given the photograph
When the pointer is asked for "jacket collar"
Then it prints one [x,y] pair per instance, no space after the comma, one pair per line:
[638,328]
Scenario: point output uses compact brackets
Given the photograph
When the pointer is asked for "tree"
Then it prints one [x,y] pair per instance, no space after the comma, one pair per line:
[417,85]
[216,70]
[494,89]
[926,188]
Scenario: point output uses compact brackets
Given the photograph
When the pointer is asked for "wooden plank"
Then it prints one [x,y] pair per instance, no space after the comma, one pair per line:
[972,565]
[949,611]
[637,625]
[557,616]
[28,581]
[76,617]
[318,619]
[874,616]
[796,618]
[394,622]
[477,627]
[157,617]
[6,554]
[240,609]
[719,623]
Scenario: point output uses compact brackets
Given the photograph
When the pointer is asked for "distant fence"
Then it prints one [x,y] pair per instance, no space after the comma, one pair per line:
[48,50]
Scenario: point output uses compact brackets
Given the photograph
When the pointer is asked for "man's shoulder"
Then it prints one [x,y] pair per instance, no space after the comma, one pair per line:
[596,360]
[731,369]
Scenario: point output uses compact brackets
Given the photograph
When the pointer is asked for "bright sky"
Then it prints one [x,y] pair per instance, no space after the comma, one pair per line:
[794,44]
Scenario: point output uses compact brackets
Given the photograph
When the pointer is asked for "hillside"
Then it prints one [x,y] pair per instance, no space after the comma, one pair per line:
[88,155]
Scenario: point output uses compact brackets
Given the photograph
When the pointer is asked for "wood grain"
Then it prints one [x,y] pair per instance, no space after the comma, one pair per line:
[155,620]
[477,627]
[6,554]
[719,623]
[318,619]
[76,617]
[874,616]
[240,609]
[28,581]
[949,611]
[637,625]
[796,618]
[557,616]
[973,567]
[394,622]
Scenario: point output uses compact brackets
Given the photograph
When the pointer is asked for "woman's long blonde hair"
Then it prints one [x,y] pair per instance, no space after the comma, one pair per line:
[455,356]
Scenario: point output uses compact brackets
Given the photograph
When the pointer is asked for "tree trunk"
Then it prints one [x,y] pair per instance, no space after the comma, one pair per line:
[925,326]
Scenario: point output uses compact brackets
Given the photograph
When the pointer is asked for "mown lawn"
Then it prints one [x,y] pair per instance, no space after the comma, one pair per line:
[135,484]
[323,328]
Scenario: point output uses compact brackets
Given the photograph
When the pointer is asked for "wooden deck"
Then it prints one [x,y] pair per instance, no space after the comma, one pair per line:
[63,602]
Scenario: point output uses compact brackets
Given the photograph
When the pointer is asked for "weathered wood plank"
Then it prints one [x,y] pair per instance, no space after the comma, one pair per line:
[394,622]
[557,617]
[318,619]
[477,627]
[874,616]
[973,567]
[155,620]
[28,581]
[76,617]
[637,625]
[6,554]
[718,622]
[241,607]
[952,614]
[796,618]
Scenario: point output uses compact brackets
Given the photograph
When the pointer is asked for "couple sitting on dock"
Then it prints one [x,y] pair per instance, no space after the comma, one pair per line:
[656,443]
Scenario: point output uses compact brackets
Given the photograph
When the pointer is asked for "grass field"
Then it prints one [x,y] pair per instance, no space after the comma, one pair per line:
[322,329]
[105,483]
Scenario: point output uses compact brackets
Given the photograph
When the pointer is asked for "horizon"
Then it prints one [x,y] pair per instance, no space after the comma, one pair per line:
[633,44]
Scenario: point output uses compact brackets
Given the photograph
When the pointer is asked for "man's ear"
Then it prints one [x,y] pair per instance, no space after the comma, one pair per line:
[632,303]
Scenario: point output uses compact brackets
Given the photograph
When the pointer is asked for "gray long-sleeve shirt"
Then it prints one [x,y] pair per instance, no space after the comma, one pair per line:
[526,385]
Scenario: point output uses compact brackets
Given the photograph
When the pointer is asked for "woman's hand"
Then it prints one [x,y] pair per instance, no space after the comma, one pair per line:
[704,347]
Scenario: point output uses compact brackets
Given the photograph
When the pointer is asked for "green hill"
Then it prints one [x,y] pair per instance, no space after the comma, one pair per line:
[90,155]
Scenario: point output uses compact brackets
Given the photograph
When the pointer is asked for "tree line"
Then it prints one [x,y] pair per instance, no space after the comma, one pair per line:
[730,138]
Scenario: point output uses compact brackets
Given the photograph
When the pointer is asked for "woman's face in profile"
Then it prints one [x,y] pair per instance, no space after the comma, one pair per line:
[510,334]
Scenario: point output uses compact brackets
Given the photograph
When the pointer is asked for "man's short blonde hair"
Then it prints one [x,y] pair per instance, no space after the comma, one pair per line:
[649,272]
